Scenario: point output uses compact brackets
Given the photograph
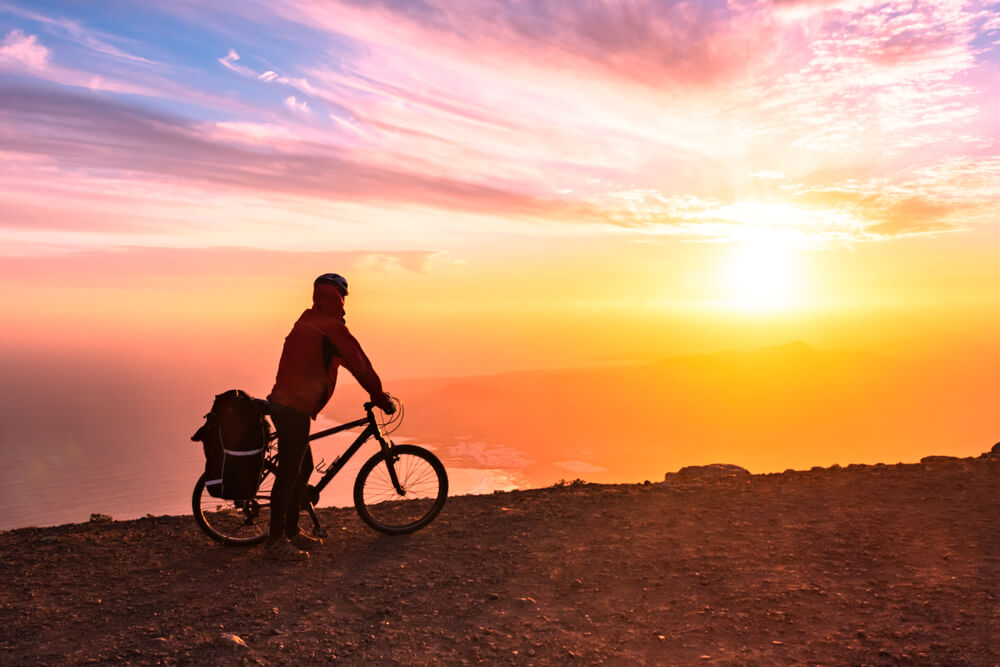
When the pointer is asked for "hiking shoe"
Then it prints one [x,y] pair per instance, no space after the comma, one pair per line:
[304,541]
[283,550]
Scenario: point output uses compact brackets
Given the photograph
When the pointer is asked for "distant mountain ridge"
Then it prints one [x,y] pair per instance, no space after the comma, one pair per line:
[768,409]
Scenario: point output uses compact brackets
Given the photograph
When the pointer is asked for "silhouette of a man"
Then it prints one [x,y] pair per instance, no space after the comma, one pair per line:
[318,344]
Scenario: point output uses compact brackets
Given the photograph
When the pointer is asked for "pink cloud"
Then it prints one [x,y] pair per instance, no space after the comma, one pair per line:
[24,50]
[653,42]
[553,110]
[31,212]
[616,91]
[295,105]
[255,133]
[93,133]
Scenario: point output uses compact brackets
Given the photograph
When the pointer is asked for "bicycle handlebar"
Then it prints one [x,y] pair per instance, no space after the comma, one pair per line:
[368,405]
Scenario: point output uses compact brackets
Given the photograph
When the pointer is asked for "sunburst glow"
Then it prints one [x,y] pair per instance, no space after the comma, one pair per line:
[763,274]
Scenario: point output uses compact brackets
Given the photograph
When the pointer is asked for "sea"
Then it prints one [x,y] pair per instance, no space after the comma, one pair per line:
[67,481]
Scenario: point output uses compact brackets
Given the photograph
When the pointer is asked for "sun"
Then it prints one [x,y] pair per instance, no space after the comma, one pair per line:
[761,275]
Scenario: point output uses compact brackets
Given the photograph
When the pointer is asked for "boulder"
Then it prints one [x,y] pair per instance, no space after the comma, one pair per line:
[939,459]
[706,473]
[995,449]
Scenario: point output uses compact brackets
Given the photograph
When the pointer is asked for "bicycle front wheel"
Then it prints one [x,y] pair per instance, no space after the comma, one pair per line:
[237,522]
[423,482]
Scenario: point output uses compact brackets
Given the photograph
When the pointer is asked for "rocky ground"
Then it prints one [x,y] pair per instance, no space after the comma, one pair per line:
[860,565]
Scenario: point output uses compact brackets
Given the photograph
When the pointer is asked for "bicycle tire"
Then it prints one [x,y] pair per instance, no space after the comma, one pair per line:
[425,484]
[234,522]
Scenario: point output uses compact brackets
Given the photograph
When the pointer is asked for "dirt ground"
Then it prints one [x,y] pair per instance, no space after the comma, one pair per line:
[860,565]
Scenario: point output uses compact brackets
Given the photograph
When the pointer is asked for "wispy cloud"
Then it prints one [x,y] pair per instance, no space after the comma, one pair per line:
[150,265]
[93,40]
[231,61]
[82,132]
[28,55]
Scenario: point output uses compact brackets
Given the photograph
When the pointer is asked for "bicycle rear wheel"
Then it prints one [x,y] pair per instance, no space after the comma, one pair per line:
[237,522]
[424,483]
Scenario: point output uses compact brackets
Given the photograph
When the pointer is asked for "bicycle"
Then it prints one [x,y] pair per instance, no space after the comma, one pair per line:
[403,494]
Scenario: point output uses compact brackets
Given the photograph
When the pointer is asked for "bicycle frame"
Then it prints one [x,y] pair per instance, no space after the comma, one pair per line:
[372,430]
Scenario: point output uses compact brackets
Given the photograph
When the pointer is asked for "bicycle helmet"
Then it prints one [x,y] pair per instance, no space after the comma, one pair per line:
[333,279]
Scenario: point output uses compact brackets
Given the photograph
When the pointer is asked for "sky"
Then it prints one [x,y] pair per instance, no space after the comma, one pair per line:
[663,157]
[507,185]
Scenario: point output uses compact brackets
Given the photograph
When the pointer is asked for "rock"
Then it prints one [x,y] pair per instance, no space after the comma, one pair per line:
[710,472]
[995,449]
[939,459]
[230,639]
[100,518]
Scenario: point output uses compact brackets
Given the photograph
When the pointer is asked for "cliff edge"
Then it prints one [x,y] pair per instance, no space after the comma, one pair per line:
[883,564]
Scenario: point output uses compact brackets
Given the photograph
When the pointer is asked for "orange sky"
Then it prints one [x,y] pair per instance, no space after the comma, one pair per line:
[538,186]
[552,303]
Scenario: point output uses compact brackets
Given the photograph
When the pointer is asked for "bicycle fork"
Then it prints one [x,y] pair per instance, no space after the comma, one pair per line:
[390,463]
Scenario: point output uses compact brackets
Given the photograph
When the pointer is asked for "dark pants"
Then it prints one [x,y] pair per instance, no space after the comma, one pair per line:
[295,464]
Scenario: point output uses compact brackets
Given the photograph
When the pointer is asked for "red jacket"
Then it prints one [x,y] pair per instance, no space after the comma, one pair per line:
[317,345]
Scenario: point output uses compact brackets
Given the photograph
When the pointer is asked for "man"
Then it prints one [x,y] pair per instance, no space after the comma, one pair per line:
[318,344]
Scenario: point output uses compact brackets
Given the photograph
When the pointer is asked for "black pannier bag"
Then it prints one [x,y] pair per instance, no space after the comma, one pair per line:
[234,438]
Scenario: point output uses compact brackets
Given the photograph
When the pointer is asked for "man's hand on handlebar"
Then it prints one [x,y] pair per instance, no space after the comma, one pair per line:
[384,403]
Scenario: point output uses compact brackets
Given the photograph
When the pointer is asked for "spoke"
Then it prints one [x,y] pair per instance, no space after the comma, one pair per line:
[419,482]
[426,476]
